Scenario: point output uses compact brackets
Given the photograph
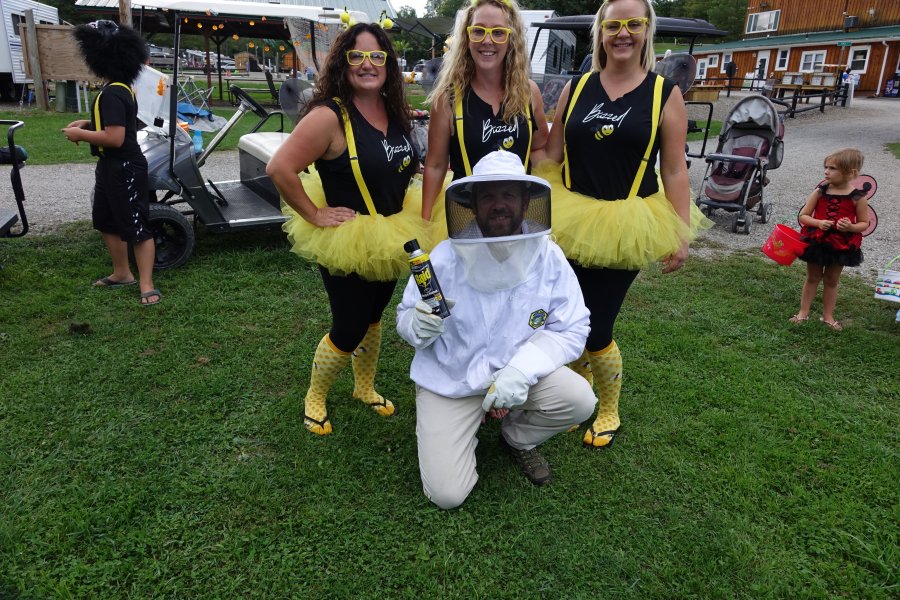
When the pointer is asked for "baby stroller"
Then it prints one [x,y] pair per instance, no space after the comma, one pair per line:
[750,144]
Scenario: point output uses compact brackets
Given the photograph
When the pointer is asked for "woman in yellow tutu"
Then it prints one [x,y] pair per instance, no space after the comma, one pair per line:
[483,100]
[612,214]
[353,212]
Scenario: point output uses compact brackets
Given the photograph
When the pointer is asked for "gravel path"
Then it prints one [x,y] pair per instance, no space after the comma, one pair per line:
[868,124]
[59,194]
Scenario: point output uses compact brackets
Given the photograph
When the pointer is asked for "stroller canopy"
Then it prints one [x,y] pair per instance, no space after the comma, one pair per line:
[755,112]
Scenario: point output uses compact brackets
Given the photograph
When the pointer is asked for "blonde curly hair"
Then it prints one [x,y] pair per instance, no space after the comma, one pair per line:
[458,68]
[648,57]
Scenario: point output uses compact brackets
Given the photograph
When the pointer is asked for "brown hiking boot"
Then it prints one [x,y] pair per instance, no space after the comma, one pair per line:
[533,466]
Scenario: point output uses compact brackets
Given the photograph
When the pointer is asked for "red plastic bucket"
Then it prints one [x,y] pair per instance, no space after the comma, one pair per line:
[784,245]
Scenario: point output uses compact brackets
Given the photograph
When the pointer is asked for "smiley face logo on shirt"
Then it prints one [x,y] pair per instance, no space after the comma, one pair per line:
[404,163]
[508,142]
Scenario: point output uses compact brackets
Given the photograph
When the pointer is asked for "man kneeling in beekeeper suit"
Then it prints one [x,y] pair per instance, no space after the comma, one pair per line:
[518,319]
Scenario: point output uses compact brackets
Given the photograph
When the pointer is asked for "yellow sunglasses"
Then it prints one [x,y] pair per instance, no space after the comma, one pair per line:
[376,57]
[614,26]
[499,35]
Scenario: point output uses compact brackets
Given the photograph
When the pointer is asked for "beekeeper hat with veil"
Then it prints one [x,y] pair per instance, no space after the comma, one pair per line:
[498,221]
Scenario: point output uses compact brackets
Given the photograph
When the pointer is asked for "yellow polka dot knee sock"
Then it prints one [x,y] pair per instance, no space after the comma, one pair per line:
[365,363]
[606,366]
[582,366]
[327,364]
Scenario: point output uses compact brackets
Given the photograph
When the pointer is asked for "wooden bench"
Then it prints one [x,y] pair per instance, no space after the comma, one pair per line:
[704,93]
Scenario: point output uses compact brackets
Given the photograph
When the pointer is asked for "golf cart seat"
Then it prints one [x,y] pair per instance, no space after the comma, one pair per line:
[255,150]
[262,145]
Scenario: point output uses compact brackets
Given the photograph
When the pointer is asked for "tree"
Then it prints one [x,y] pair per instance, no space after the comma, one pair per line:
[69,12]
[728,15]
[412,46]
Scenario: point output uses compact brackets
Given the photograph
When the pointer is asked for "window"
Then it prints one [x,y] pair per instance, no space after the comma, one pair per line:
[859,59]
[781,63]
[812,61]
[16,19]
[764,21]
[712,60]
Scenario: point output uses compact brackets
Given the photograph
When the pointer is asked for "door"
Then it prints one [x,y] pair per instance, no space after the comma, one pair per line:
[762,64]
[701,70]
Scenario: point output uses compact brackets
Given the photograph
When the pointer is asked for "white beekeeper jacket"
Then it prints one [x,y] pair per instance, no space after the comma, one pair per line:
[537,326]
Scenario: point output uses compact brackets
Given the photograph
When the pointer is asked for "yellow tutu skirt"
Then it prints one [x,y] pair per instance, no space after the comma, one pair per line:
[622,234]
[369,245]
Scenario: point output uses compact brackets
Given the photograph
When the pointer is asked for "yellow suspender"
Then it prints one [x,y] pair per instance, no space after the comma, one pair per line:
[97,108]
[530,132]
[354,159]
[578,87]
[458,111]
[458,117]
[654,124]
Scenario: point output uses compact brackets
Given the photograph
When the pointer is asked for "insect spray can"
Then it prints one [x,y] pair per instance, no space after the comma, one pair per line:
[426,280]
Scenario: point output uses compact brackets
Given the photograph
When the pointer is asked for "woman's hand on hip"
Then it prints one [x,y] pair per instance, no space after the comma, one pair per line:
[332,216]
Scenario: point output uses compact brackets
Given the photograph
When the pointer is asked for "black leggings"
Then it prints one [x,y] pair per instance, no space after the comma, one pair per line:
[355,304]
[604,291]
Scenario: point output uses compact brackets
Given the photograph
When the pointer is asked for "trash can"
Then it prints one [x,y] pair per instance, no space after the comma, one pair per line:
[71,96]
[60,91]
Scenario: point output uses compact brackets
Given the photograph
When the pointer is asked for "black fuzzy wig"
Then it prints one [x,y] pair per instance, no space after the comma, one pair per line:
[112,52]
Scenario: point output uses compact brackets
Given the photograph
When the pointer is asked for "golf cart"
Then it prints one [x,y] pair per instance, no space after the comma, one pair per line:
[247,203]
[14,156]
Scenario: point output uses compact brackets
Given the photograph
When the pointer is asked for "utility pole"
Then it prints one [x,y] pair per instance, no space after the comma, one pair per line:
[125,13]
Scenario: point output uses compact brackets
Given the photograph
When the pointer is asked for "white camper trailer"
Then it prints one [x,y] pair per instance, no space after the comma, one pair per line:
[554,53]
[12,66]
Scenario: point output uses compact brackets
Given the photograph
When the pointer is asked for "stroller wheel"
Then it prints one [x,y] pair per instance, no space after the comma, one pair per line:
[765,211]
[735,223]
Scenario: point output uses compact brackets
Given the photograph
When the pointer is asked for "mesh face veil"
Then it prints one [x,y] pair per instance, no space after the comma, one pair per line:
[498,220]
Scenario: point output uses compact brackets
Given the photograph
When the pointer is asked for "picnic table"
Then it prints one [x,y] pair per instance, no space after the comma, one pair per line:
[269,92]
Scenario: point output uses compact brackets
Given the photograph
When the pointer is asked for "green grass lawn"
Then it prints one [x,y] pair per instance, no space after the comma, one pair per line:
[42,137]
[152,452]
[894,148]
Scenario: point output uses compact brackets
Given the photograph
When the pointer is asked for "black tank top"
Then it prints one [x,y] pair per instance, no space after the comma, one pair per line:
[485,132]
[117,106]
[387,165]
[606,139]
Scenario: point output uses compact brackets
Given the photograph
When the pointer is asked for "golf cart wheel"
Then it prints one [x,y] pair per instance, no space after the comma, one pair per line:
[173,235]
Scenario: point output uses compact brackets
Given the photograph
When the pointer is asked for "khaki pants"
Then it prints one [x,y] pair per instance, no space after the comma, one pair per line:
[446,430]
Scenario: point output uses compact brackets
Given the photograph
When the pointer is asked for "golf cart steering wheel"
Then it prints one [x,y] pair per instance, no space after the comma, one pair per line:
[254,104]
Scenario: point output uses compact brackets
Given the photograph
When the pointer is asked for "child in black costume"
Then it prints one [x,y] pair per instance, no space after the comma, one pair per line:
[121,201]
[833,219]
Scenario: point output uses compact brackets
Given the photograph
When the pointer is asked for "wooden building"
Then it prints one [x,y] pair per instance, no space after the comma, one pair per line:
[809,41]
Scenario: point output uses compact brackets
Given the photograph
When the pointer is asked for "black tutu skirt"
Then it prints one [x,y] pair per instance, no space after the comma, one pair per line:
[826,256]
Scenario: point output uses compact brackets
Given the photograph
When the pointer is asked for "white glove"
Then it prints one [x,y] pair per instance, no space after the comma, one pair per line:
[425,324]
[510,389]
